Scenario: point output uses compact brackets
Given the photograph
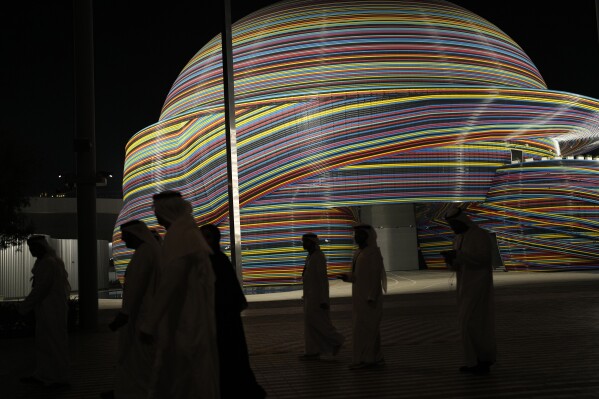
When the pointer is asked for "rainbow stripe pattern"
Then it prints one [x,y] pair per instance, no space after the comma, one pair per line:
[545,215]
[341,104]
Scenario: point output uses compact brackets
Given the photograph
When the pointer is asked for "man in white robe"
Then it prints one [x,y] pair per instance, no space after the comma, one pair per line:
[181,318]
[135,358]
[369,282]
[471,258]
[49,299]
[320,336]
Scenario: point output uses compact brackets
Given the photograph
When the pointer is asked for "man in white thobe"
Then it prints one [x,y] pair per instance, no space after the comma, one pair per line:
[320,335]
[369,282]
[49,299]
[181,318]
[135,358]
[471,258]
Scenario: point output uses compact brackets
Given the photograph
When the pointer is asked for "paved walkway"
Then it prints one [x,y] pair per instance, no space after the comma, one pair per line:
[547,330]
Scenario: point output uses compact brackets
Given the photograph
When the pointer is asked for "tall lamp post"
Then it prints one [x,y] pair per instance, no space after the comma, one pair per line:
[231,137]
[85,147]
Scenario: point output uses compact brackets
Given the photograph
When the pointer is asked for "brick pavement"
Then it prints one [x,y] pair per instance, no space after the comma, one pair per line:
[547,328]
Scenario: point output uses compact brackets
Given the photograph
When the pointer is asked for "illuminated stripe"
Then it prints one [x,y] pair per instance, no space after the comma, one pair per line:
[352,103]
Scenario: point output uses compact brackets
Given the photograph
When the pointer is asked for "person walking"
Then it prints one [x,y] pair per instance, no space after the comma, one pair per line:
[471,258]
[236,373]
[181,316]
[135,359]
[320,336]
[369,282]
[49,299]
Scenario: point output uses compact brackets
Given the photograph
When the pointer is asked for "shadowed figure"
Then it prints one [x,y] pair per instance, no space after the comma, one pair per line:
[320,336]
[236,376]
[49,298]
[135,358]
[369,282]
[471,258]
[181,317]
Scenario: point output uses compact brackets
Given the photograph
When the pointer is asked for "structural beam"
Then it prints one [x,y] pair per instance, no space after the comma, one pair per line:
[231,136]
[85,147]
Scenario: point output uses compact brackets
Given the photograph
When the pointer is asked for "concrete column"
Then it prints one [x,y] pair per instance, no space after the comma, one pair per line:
[231,138]
[395,226]
[85,146]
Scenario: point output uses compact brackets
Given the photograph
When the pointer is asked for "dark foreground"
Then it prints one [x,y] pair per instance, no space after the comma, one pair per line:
[548,345]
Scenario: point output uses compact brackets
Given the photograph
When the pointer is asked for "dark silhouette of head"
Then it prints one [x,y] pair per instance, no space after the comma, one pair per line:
[131,240]
[38,246]
[361,235]
[212,235]
[457,220]
[164,196]
[310,242]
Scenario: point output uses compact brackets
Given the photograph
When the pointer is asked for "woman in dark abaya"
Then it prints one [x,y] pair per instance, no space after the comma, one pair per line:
[236,374]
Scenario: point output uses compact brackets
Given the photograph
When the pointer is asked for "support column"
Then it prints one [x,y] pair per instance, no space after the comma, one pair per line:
[397,235]
[597,16]
[85,147]
[231,136]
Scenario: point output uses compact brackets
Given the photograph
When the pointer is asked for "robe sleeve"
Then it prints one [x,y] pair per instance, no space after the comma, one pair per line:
[376,267]
[229,289]
[322,285]
[137,279]
[170,287]
[475,250]
[43,278]
[349,276]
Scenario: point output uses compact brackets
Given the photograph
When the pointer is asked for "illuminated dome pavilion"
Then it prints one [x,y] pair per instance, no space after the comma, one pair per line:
[344,105]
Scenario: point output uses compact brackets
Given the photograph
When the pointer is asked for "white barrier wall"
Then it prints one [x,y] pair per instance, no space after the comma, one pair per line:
[16,264]
[396,232]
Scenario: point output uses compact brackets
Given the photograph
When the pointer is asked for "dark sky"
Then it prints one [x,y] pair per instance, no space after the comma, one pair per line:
[141,47]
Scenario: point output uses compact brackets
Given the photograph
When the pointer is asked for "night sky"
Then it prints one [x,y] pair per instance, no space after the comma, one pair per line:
[141,47]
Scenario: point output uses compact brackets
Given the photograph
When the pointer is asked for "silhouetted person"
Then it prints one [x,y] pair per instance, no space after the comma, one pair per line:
[135,358]
[471,258]
[369,281]
[236,376]
[320,336]
[181,316]
[49,299]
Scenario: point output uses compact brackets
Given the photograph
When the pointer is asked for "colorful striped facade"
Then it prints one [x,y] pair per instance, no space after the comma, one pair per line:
[341,104]
[545,215]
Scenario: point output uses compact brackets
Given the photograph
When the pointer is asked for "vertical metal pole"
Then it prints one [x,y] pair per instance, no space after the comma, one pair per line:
[597,16]
[85,147]
[231,135]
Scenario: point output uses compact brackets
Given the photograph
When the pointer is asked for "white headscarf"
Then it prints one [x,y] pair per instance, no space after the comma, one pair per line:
[43,243]
[172,208]
[141,231]
[183,236]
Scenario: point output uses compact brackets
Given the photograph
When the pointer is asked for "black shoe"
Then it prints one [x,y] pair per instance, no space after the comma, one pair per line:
[467,369]
[336,349]
[310,356]
[57,386]
[30,379]
[479,369]
[356,366]
[482,369]
[107,395]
